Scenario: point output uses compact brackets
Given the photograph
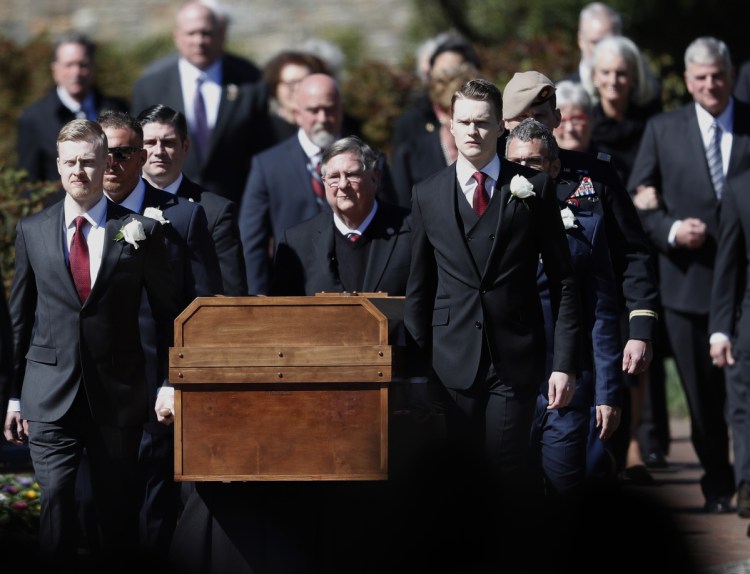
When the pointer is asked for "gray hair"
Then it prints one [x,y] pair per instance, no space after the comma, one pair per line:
[530,129]
[601,11]
[367,157]
[708,50]
[571,93]
[646,86]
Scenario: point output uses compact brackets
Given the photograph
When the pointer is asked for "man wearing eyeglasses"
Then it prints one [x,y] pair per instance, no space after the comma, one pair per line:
[360,245]
[195,267]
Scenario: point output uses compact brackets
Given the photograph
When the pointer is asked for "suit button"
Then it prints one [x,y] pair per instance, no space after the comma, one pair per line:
[492,237]
[478,325]
[483,291]
[468,238]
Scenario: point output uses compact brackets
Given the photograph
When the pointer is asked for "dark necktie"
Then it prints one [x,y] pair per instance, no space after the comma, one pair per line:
[79,260]
[481,197]
[317,185]
[713,156]
[200,129]
[353,236]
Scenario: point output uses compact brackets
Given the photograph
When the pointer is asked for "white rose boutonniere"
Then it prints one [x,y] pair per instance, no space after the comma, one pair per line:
[132,232]
[520,188]
[569,220]
[155,213]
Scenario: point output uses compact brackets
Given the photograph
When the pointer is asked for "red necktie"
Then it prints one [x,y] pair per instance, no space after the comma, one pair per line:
[481,197]
[317,182]
[79,260]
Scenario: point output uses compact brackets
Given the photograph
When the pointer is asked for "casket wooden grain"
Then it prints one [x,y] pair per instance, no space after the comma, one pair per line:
[282,388]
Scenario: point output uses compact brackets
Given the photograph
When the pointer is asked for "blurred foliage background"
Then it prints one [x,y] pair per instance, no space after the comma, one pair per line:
[510,35]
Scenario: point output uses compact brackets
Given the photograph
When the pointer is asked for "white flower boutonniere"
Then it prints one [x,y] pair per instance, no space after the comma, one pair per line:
[569,220]
[132,232]
[520,188]
[155,213]
[232,91]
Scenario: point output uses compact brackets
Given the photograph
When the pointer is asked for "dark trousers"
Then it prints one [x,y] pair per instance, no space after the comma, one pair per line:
[704,389]
[161,501]
[56,450]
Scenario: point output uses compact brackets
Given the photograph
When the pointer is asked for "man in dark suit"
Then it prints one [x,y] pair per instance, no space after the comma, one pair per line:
[472,306]
[195,267]
[230,124]
[672,161]
[165,138]
[363,246]
[79,366]
[74,96]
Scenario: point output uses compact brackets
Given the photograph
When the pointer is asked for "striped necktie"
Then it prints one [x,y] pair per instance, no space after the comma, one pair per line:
[713,156]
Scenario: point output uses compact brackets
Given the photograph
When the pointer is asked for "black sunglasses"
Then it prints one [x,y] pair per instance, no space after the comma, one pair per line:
[124,153]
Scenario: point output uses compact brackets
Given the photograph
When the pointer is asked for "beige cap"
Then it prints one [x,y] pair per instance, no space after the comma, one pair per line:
[524,90]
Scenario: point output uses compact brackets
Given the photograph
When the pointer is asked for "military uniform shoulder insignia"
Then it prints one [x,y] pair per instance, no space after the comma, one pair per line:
[602,156]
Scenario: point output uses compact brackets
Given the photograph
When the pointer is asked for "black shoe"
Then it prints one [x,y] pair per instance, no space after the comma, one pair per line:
[718,505]
[656,460]
[743,500]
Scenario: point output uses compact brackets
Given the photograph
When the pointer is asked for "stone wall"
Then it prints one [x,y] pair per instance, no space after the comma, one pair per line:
[259,28]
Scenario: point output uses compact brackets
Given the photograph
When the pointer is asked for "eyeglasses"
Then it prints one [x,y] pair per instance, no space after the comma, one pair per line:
[334,179]
[124,153]
[534,161]
[575,121]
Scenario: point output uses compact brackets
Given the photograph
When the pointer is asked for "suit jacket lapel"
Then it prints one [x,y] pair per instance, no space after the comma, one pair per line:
[323,245]
[505,217]
[382,245]
[54,238]
[740,137]
[111,250]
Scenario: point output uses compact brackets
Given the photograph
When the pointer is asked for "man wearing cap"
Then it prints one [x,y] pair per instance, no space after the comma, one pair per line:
[472,306]
[531,94]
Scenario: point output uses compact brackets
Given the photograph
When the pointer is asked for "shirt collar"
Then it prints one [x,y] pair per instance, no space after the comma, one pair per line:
[134,201]
[342,227]
[175,185]
[312,151]
[725,119]
[72,104]
[95,215]
[465,171]
[213,73]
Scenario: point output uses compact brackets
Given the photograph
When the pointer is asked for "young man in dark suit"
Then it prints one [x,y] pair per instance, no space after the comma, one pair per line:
[672,162]
[233,101]
[74,96]
[79,363]
[167,144]
[472,306]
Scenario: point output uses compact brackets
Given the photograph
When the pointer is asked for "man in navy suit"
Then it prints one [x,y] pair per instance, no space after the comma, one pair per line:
[672,164]
[233,98]
[472,305]
[74,96]
[167,144]
[195,267]
[560,436]
[79,368]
